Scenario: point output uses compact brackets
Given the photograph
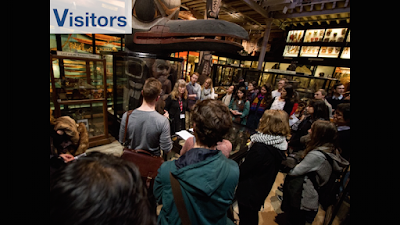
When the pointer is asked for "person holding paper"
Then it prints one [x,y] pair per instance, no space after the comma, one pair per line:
[240,107]
[208,179]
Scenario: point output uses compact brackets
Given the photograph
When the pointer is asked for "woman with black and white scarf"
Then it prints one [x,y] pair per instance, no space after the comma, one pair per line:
[260,169]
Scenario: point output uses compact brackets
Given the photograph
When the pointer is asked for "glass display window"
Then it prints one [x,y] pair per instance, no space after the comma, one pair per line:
[90,114]
[309,51]
[316,35]
[53,42]
[271,65]
[107,43]
[329,52]
[346,53]
[215,59]
[284,66]
[295,36]
[254,65]
[223,61]
[335,35]
[77,43]
[252,75]
[291,51]
[348,38]
[82,80]
[324,71]
[266,78]
[342,73]
[247,64]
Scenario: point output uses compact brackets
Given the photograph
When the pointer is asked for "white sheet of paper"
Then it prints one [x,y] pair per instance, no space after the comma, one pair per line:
[184,134]
[293,119]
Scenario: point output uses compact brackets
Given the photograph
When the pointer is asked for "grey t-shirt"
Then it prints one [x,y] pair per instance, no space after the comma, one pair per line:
[147,131]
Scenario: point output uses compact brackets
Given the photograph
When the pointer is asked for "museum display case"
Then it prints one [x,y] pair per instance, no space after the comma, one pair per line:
[318,43]
[226,75]
[78,89]
[295,36]
[305,85]
[346,51]
[309,51]
[314,35]
[291,51]
[306,79]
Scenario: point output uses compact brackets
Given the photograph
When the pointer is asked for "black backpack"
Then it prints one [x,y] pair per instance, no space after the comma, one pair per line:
[329,193]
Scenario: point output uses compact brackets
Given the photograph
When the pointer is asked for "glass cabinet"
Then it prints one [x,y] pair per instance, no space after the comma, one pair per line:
[78,89]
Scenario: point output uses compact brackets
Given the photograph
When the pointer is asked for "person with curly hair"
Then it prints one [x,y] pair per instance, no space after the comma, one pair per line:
[207,178]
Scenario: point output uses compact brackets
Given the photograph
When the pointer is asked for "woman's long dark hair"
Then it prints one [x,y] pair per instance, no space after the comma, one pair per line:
[323,133]
[321,110]
[290,94]
[267,97]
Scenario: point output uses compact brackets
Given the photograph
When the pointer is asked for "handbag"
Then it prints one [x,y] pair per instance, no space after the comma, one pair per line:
[179,200]
[147,163]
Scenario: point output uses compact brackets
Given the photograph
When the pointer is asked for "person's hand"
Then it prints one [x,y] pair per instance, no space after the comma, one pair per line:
[166,114]
[67,158]
[192,97]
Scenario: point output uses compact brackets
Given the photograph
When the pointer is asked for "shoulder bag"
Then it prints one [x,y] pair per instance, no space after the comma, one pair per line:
[147,163]
[179,200]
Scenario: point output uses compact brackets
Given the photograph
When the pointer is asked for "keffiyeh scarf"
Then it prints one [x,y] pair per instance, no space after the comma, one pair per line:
[278,142]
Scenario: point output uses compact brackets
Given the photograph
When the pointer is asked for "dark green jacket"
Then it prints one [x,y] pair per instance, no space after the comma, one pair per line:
[208,181]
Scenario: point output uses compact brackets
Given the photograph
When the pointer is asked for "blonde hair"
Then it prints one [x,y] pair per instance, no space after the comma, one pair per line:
[275,122]
[211,84]
[175,92]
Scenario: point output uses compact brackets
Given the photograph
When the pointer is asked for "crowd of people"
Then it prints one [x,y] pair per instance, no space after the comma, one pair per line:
[103,189]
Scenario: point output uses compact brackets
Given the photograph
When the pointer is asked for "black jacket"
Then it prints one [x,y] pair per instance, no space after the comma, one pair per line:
[258,174]
[173,108]
[302,131]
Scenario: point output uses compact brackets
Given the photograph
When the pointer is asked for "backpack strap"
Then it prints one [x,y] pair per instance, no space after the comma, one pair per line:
[313,175]
[330,160]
